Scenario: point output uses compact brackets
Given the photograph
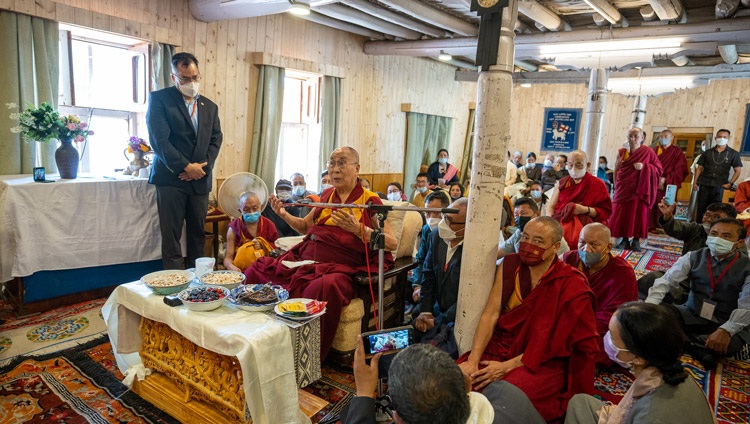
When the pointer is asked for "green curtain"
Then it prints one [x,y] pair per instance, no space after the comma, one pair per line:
[29,47]
[269,103]
[161,57]
[330,114]
[468,149]
[425,135]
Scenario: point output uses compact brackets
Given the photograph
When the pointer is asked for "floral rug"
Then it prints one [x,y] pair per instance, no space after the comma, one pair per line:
[51,331]
[68,387]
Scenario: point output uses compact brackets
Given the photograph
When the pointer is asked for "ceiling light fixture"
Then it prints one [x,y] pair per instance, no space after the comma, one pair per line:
[299,9]
[526,84]
[444,56]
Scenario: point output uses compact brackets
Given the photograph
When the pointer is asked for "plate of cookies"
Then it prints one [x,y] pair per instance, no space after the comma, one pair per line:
[257,297]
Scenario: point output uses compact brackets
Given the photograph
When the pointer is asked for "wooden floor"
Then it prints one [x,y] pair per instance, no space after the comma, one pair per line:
[167,396]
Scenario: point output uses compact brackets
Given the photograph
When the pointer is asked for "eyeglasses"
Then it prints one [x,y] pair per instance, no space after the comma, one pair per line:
[339,163]
[188,80]
[450,221]
[711,216]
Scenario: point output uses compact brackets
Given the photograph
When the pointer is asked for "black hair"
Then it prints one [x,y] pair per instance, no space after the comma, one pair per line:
[563,156]
[724,130]
[183,59]
[443,150]
[740,227]
[728,209]
[397,185]
[423,174]
[605,159]
[526,201]
[427,387]
[323,174]
[531,154]
[653,333]
[441,195]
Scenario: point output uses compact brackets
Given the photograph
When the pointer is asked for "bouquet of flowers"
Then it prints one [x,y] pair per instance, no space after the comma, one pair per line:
[138,144]
[44,123]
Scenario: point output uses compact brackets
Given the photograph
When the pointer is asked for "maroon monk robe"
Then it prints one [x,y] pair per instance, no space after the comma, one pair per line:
[675,168]
[635,192]
[266,229]
[590,192]
[555,330]
[339,253]
[612,285]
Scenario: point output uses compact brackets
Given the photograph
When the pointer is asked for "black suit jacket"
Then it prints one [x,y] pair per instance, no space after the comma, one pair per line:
[175,141]
[440,283]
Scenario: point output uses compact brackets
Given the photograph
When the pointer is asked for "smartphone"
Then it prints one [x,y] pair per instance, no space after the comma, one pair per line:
[671,194]
[388,341]
[39,175]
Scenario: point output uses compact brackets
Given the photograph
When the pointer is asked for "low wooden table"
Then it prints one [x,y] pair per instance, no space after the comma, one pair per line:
[227,360]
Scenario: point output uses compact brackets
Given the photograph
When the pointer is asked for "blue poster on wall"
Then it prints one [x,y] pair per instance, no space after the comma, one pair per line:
[561,129]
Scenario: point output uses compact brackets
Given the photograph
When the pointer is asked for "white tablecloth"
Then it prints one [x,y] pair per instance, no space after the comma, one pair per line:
[261,344]
[68,224]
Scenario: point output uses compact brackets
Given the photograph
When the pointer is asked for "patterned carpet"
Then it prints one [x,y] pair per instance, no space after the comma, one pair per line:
[68,387]
[658,254]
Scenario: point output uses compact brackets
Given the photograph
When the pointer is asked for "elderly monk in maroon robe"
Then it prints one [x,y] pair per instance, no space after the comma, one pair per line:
[579,198]
[538,329]
[611,278]
[337,239]
[637,174]
[675,168]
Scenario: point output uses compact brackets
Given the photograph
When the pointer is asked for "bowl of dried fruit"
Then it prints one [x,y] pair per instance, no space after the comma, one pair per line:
[168,281]
[204,298]
[223,278]
[257,297]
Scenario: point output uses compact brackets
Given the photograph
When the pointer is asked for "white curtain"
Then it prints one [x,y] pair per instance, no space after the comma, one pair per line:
[331,114]
[161,63]
[425,135]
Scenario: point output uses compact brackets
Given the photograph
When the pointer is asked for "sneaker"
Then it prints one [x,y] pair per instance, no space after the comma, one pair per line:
[635,245]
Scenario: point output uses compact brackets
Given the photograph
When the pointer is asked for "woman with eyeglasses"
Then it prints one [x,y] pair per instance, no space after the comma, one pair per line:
[646,339]
[441,173]
[336,239]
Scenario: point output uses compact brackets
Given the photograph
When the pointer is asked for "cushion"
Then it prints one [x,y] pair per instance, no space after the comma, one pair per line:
[405,226]
[350,325]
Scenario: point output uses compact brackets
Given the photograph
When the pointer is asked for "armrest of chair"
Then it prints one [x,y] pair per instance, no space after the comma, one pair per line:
[401,265]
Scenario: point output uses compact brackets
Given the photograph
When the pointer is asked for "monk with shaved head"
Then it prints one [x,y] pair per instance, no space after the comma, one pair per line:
[579,199]
[611,278]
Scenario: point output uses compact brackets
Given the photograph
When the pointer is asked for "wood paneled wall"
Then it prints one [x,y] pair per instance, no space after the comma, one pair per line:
[373,89]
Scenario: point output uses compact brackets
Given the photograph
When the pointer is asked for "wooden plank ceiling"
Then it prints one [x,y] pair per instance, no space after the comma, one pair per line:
[555,40]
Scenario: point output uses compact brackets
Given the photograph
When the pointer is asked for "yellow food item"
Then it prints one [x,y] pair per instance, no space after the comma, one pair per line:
[293,307]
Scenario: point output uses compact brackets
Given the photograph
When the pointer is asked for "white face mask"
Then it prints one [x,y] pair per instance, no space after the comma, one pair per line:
[394,197]
[445,232]
[626,145]
[422,189]
[536,194]
[433,222]
[190,89]
[718,246]
[325,186]
[706,226]
[547,163]
[722,141]
[530,164]
[576,173]
[665,141]
[703,147]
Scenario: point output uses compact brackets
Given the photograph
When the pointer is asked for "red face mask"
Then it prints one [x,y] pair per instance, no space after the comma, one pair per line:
[530,254]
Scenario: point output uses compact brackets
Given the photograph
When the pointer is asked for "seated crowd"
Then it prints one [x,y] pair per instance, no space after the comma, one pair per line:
[561,303]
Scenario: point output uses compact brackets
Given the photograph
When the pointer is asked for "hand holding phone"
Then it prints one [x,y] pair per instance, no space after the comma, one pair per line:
[671,194]
[387,341]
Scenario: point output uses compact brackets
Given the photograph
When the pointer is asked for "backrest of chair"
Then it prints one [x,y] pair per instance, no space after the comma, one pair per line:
[405,226]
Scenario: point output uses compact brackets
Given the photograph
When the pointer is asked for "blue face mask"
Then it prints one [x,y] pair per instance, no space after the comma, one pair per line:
[299,190]
[251,218]
[589,258]
[443,161]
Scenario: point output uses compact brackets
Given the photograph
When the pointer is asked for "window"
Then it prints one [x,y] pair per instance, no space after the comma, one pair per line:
[299,140]
[104,80]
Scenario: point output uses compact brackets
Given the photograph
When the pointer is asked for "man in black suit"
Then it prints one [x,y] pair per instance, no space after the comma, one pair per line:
[440,275]
[185,133]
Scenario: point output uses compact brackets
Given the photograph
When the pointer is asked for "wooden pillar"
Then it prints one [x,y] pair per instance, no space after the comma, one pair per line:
[639,112]
[595,106]
[494,90]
